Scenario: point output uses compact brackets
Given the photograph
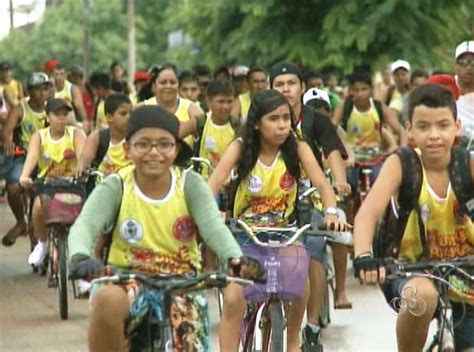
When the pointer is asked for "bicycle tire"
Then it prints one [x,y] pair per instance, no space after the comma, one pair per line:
[325,314]
[62,276]
[248,329]
[277,327]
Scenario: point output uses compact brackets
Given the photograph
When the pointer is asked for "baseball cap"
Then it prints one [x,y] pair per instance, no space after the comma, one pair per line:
[154,116]
[55,104]
[400,64]
[141,76]
[285,67]
[240,71]
[464,47]
[37,79]
[316,94]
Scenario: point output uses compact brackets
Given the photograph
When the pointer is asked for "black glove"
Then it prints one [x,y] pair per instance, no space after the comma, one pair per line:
[248,268]
[84,267]
[365,262]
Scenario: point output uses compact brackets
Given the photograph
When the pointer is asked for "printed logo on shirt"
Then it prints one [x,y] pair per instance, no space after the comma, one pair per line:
[425,212]
[184,229]
[131,231]
[210,143]
[45,156]
[255,184]
[287,181]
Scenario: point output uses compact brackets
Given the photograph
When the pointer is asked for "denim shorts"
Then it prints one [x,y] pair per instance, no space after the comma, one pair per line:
[13,167]
[463,329]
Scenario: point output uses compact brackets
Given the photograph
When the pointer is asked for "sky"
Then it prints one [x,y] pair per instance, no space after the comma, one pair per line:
[20,18]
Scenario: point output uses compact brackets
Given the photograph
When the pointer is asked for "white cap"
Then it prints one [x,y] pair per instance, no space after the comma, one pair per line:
[315,93]
[240,71]
[400,64]
[465,47]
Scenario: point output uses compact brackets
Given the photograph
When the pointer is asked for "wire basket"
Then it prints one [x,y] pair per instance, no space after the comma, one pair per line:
[286,269]
[61,202]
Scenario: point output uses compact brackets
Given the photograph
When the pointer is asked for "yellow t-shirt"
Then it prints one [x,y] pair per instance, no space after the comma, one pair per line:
[268,194]
[65,93]
[363,128]
[245,101]
[214,140]
[31,122]
[13,90]
[114,159]
[57,157]
[396,102]
[182,113]
[155,236]
[101,118]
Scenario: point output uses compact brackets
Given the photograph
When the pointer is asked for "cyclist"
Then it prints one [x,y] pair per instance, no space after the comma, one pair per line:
[101,87]
[139,80]
[54,150]
[165,87]
[13,88]
[433,125]
[23,120]
[267,159]
[75,75]
[69,92]
[117,109]
[156,210]
[239,79]
[117,83]
[203,73]
[257,79]
[189,86]
[401,77]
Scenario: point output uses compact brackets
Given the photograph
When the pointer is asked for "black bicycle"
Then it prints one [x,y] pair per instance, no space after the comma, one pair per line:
[443,273]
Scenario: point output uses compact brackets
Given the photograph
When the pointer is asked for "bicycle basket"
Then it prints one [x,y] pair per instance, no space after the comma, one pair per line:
[286,269]
[61,204]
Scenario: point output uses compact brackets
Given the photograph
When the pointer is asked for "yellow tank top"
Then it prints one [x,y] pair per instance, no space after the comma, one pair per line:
[363,128]
[65,93]
[31,122]
[155,236]
[268,193]
[57,157]
[13,89]
[114,159]
[245,101]
[446,236]
[101,117]
[182,113]
[214,140]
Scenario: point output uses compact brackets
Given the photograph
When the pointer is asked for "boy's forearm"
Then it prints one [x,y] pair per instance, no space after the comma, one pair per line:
[338,169]
[364,229]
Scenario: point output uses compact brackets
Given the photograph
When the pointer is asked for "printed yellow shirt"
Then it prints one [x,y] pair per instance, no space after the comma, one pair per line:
[363,128]
[114,159]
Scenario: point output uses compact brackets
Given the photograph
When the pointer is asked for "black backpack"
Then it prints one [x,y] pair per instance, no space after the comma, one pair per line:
[349,106]
[104,141]
[390,230]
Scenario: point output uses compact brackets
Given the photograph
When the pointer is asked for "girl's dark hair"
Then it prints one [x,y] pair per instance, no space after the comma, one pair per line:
[263,103]
[114,101]
[146,90]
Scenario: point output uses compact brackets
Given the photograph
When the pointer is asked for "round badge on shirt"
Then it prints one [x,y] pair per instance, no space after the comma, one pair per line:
[131,231]
[287,181]
[210,143]
[184,229]
[255,184]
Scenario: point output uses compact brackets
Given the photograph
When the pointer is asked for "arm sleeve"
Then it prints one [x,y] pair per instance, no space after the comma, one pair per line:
[326,135]
[97,216]
[205,213]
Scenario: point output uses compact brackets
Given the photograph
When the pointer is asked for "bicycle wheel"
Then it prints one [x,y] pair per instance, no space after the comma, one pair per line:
[61,258]
[325,315]
[277,327]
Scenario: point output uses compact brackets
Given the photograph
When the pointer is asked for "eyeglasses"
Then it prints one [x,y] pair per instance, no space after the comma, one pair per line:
[466,62]
[146,146]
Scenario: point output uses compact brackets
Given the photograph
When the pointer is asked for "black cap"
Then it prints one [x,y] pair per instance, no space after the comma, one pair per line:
[285,67]
[155,116]
[55,104]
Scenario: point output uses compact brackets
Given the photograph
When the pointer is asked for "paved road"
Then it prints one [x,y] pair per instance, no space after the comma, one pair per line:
[29,318]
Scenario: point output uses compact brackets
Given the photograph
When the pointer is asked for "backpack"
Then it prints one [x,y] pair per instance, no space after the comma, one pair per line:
[390,230]
[349,106]
[104,141]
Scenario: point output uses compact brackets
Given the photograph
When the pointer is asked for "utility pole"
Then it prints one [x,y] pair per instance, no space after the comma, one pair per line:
[131,64]
[12,15]
[86,50]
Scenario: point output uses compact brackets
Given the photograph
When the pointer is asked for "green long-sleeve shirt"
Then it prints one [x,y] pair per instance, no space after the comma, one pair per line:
[101,209]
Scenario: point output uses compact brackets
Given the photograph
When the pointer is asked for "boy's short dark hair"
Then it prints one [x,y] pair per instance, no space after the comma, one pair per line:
[417,73]
[310,74]
[222,70]
[187,76]
[113,102]
[202,70]
[360,76]
[432,96]
[114,64]
[100,80]
[255,69]
[219,88]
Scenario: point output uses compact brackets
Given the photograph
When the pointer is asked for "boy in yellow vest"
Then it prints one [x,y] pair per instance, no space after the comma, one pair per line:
[54,150]
[433,126]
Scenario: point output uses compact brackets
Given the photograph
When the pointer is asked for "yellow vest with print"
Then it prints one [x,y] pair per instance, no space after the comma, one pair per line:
[13,90]
[65,93]
[268,193]
[245,101]
[57,157]
[101,118]
[214,141]
[446,236]
[31,122]
[182,113]
[363,128]
[155,236]
[396,102]
[114,159]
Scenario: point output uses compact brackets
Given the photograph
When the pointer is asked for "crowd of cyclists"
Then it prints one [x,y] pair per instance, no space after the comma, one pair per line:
[267,134]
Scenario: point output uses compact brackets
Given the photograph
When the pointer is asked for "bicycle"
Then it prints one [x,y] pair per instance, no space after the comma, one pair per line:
[159,332]
[441,272]
[61,201]
[366,160]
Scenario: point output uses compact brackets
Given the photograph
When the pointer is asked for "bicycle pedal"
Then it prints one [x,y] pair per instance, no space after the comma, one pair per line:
[52,282]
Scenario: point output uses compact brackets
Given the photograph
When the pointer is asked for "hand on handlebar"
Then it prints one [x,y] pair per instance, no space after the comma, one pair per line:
[342,188]
[26,181]
[333,223]
[85,267]
[246,268]
[369,270]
